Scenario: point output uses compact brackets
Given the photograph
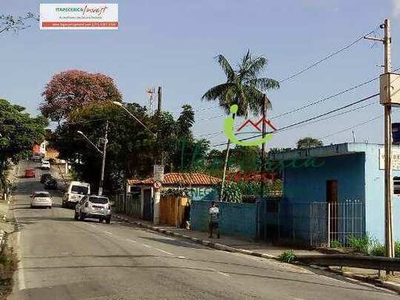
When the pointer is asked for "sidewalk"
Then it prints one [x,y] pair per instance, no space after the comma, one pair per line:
[261,249]
[227,243]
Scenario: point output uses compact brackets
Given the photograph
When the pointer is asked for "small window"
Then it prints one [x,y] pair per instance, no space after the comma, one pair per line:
[77,189]
[42,195]
[98,200]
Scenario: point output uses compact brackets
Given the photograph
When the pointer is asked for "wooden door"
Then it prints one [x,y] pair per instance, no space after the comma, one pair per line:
[332,199]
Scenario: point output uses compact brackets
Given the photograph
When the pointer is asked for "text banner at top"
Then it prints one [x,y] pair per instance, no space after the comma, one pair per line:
[78,16]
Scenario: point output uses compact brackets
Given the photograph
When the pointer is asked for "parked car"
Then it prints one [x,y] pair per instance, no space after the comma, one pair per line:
[41,199]
[45,165]
[50,184]
[36,157]
[92,206]
[75,192]
[45,177]
[30,173]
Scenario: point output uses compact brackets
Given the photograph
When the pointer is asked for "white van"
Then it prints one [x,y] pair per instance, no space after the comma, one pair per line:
[75,192]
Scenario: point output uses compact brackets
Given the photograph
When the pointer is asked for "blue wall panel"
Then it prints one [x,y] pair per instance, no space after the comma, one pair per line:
[236,218]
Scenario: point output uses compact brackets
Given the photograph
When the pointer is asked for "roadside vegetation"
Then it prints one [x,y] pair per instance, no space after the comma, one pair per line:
[365,245]
[8,264]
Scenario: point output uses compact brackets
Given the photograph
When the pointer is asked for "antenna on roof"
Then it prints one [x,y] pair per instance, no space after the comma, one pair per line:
[150,93]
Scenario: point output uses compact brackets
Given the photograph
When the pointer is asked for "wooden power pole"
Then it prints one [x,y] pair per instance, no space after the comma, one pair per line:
[389,233]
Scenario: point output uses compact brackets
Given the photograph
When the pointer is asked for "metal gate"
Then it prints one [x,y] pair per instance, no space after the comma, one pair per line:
[336,222]
[317,223]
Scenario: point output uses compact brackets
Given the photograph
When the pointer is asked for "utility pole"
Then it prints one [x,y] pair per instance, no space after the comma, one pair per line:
[159,98]
[389,234]
[103,163]
[264,115]
[160,175]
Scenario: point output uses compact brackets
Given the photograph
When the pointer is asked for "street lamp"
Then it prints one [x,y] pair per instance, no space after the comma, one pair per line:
[103,153]
[157,192]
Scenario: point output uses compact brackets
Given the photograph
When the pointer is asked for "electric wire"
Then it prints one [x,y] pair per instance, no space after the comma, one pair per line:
[311,119]
[327,57]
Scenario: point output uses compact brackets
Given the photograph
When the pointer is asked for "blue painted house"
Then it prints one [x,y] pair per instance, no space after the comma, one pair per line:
[333,192]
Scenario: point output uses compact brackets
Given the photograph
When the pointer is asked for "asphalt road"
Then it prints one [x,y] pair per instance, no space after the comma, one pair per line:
[65,259]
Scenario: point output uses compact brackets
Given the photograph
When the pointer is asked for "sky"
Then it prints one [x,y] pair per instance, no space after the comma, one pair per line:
[173,44]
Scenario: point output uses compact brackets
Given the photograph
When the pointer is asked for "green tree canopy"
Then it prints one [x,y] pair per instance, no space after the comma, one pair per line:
[132,150]
[18,131]
[309,142]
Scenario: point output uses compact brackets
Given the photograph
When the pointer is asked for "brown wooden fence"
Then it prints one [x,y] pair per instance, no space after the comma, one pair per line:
[172,210]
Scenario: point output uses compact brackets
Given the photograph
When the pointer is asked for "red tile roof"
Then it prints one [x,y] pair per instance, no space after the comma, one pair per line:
[180,179]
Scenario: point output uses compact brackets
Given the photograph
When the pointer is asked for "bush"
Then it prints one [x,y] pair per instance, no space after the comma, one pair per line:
[397,249]
[378,250]
[360,244]
[287,256]
[335,244]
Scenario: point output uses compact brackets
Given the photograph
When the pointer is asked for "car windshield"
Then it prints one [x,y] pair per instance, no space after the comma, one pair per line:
[99,200]
[77,189]
[42,194]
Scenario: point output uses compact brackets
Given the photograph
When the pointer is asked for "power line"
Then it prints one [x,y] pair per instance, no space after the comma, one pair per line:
[319,120]
[211,118]
[341,114]
[312,118]
[325,99]
[282,129]
[329,97]
[352,127]
[327,57]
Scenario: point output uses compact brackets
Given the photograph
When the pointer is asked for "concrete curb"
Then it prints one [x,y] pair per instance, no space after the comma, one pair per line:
[388,285]
[210,244]
[377,282]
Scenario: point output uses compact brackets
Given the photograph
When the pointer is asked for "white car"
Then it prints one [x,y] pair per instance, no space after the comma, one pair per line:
[92,206]
[45,165]
[75,192]
[41,199]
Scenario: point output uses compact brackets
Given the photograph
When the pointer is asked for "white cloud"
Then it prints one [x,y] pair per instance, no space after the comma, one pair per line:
[396,8]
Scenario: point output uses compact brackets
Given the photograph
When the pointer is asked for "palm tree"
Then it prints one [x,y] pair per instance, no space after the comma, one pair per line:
[243,87]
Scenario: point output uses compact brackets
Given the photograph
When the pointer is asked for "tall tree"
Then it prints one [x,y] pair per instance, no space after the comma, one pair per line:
[243,87]
[309,142]
[132,150]
[74,89]
[18,132]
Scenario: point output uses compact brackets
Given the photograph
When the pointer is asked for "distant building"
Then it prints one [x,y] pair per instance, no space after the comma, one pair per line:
[39,149]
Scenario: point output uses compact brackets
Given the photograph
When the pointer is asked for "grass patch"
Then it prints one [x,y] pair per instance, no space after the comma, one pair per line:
[287,256]
[336,244]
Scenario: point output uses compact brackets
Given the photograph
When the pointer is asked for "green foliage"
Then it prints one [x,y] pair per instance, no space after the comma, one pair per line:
[336,244]
[360,244]
[287,256]
[132,150]
[18,132]
[232,192]
[397,249]
[243,86]
[308,142]
[377,249]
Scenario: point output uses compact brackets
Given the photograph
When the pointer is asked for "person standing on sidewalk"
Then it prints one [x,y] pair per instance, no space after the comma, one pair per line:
[214,215]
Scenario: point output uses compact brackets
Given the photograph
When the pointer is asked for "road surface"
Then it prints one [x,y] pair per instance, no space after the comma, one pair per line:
[66,259]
